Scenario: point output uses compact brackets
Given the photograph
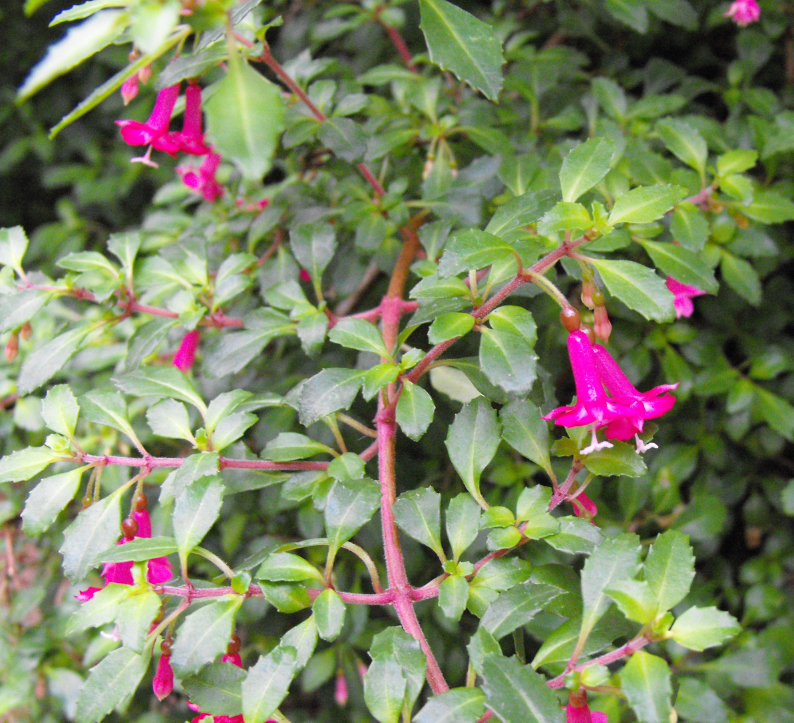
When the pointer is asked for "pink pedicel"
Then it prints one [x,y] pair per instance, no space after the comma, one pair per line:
[743,12]
[186,354]
[683,295]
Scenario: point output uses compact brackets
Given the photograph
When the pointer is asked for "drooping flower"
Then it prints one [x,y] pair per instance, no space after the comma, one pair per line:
[683,295]
[129,89]
[186,354]
[190,139]
[154,132]
[744,12]
[163,682]
[577,710]
[593,406]
[202,179]
[340,689]
[583,506]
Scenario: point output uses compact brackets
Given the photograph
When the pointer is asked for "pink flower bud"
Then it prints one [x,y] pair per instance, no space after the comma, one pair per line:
[186,354]
[602,325]
[744,12]
[234,659]
[305,275]
[129,89]
[340,691]
[163,682]
[145,74]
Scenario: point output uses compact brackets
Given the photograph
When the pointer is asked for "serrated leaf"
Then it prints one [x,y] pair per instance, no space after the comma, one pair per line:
[344,137]
[384,690]
[459,705]
[453,594]
[169,418]
[139,549]
[94,530]
[517,694]
[217,689]
[59,409]
[670,568]
[47,499]
[515,607]
[585,166]
[107,409]
[286,567]
[461,43]
[25,463]
[638,287]
[195,512]
[359,334]
[525,431]
[635,599]
[245,118]
[50,358]
[520,212]
[161,383]
[348,507]
[462,523]
[415,410]
[701,628]
[645,204]
[418,513]
[329,614]
[314,245]
[110,683]
[328,392]
[204,635]
[20,307]
[100,609]
[684,142]
[134,618]
[682,264]
[646,683]
[741,277]
[267,684]
[290,446]
[620,459]
[507,360]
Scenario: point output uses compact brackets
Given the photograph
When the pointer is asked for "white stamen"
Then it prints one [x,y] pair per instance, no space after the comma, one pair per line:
[642,447]
[595,445]
[111,636]
[145,159]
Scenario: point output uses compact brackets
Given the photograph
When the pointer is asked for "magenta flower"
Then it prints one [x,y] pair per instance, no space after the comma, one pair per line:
[583,506]
[191,139]
[158,569]
[583,714]
[683,294]
[129,89]
[593,406]
[644,405]
[202,179]
[87,594]
[340,689]
[153,133]
[744,12]
[163,682]
[186,354]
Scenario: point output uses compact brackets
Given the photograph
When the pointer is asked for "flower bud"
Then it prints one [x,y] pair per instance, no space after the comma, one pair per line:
[588,287]
[25,331]
[129,528]
[340,691]
[602,325]
[145,73]
[186,354]
[163,682]
[129,89]
[570,319]
[12,348]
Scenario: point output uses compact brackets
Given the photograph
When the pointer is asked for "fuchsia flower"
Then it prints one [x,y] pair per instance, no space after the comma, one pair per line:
[154,132]
[583,714]
[593,406]
[186,354]
[583,506]
[129,89]
[644,405]
[305,276]
[203,179]
[683,294]
[190,139]
[744,12]
[158,569]
[163,682]
[340,689]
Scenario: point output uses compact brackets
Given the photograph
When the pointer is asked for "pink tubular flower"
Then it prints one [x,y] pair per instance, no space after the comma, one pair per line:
[683,294]
[744,12]
[583,506]
[202,180]
[191,139]
[163,682]
[592,406]
[340,689]
[186,354]
[643,405]
[153,133]
[129,89]
[577,710]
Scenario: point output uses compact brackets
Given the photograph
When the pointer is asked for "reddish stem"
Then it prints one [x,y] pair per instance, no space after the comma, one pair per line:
[624,650]
[225,462]
[194,593]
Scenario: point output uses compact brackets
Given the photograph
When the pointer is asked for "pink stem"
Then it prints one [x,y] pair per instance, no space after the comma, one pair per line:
[628,649]
[194,593]
[225,462]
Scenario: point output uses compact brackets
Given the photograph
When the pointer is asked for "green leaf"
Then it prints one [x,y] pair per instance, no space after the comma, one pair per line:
[26,463]
[328,392]
[286,567]
[677,12]
[289,446]
[629,12]
[161,383]
[169,418]
[615,560]
[384,690]
[223,405]
[195,512]
[329,614]
[110,683]
[59,410]
[231,428]
[576,536]
[107,409]
[517,694]
[418,513]
[698,703]
[741,277]
[472,441]
[450,326]
[303,638]
[267,684]
[645,204]
[689,226]
[515,607]
[344,137]
[359,334]
[682,264]
[525,431]
[203,464]
[520,212]
[472,249]
[314,245]
[565,216]
[19,307]
[100,609]
[217,689]
[245,118]
[646,682]
[94,530]
[737,161]
[461,43]
[684,142]
[769,207]
[152,22]
[670,568]
[508,360]
[50,358]
[134,618]
[78,44]
[13,245]
[585,166]
[285,597]
[452,596]
[459,705]
[635,600]
[462,523]
[620,459]
[394,644]
[139,549]
[47,499]
[701,628]
[415,409]
[638,287]
[776,411]
[348,507]
[204,635]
